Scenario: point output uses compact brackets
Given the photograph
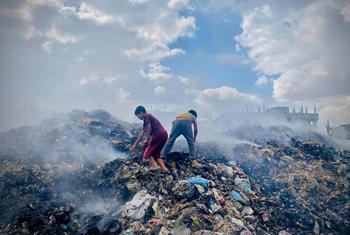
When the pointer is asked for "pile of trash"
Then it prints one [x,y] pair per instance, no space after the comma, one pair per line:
[56,178]
[198,197]
[303,186]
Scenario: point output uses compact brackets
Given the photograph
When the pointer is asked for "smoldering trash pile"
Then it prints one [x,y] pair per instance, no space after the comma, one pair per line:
[73,175]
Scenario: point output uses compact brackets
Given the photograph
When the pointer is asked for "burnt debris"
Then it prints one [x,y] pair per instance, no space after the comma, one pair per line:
[57,179]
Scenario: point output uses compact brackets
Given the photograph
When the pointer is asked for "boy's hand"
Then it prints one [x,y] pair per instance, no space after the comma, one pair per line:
[132,148]
[147,142]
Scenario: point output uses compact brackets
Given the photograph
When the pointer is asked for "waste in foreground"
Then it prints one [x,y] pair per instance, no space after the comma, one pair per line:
[53,187]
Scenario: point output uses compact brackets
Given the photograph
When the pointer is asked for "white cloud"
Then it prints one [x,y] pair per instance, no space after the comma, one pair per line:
[27,11]
[156,27]
[88,12]
[224,96]
[47,45]
[345,10]
[184,80]
[155,71]
[30,32]
[159,90]
[56,36]
[122,95]
[179,4]
[88,79]
[153,53]
[137,1]
[156,35]
[95,44]
[53,36]
[161,33]
[237,47]
[104,41]
[261,81]
[83,12]
[80,58]
[304,46]
[93,78]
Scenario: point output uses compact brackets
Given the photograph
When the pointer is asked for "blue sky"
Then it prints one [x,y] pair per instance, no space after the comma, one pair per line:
[60,55]
[215,35]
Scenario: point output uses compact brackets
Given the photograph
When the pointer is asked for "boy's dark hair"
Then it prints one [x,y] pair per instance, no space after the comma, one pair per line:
[140,109]
[194,113]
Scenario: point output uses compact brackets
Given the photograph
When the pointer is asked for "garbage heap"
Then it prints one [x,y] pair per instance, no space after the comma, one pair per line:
[43,170]
[303,186]
[49,186]
[78,136]
[198,197]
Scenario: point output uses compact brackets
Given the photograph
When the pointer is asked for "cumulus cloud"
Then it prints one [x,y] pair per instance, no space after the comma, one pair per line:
[122,95]
[91,46]
[28,9]
[261,81]
[304,46]
[84,11]
[53,36]
[88,12]
[153,53]
[155,71]
[137,1]
[223,96]
[345,10]
[159,90]
[158,34]
[178,4]
[91,78]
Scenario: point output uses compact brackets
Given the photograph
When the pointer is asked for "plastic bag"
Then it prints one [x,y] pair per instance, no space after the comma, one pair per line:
[200,181]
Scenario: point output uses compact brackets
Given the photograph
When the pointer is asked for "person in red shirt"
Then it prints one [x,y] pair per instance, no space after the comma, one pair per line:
[156,137]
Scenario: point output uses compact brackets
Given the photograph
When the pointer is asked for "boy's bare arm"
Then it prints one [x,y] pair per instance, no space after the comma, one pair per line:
[139,138]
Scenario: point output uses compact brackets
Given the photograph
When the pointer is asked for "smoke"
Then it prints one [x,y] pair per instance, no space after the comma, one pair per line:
[101,206]
[63,139]
[234,129]
[73,145]
[67,150]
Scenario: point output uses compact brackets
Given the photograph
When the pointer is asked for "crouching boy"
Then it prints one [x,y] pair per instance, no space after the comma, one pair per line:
[156,137]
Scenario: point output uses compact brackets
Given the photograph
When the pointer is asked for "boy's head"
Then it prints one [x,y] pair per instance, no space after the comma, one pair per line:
[194,113]
[140,112]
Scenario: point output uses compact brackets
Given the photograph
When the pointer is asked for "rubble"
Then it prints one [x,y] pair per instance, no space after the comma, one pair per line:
[304,186]
[297,186]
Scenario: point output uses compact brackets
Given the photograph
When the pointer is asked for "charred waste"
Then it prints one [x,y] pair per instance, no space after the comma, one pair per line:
[73,174]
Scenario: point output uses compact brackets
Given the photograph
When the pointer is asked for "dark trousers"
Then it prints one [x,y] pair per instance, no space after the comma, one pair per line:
[181,127]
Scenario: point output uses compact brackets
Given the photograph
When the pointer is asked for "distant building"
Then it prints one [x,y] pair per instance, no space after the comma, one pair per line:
[272,116]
